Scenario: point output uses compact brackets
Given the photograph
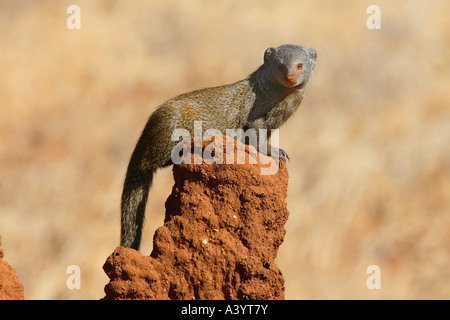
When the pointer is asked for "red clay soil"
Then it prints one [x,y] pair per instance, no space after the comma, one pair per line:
[223,226]
[10,286]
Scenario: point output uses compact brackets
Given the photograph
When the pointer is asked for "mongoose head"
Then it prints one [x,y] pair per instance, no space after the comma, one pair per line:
[290,65]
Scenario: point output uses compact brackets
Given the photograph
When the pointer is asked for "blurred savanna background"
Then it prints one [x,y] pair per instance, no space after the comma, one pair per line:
[369,147]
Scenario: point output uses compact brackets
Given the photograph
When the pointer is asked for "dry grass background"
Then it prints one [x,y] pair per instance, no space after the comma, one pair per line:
[369,148]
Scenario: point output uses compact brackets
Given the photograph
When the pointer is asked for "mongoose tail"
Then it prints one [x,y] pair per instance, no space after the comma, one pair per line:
[134,199]
[152,151]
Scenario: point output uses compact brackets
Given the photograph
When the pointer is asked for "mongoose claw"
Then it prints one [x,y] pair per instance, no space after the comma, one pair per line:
[283,155]
[278,154]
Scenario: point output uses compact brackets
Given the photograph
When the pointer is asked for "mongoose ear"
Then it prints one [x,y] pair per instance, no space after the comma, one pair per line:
[312,53]
[268,54]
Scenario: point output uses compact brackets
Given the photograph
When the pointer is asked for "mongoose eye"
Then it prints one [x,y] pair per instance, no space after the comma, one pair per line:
[299,66]
[280,67]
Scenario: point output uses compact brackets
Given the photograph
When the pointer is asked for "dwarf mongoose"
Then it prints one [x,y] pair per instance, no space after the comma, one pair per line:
[264,100]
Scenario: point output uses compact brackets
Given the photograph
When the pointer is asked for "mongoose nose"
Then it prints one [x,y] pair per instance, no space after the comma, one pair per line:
[290,78]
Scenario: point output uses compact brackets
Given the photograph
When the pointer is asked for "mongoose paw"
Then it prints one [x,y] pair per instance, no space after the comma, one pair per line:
[283,155]
[278,154]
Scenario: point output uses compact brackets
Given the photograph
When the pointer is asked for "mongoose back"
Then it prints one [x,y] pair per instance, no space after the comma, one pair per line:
[264,100]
